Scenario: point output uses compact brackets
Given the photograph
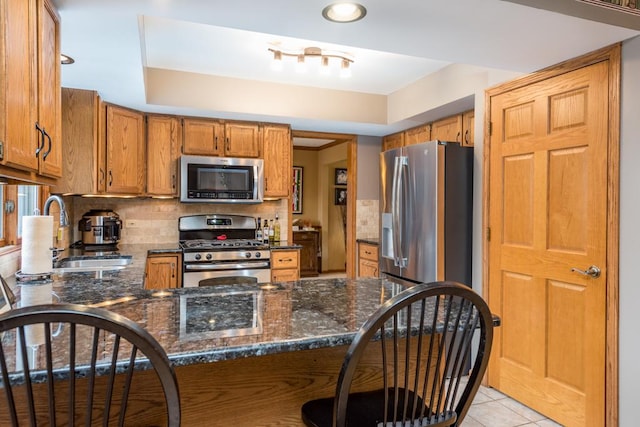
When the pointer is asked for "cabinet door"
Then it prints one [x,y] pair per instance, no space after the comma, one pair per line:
[241,140]
[417,135]
[395,140]
[125,151]
[468,123]
[287,275]
[202,137]
[277,155]
[162,272]
[448,129]
[49,101]
[163,140]
[367,268]
[308,253]
[21,139]
[80,142]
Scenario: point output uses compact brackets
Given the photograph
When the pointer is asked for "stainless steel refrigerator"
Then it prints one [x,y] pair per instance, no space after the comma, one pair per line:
[426,195]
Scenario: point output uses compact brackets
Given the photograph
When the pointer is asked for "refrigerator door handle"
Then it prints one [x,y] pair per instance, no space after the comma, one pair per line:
[397,224]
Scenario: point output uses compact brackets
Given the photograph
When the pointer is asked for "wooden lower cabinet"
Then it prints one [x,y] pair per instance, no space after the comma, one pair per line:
[368,260]
[310,252]
[285,265]
[163,271]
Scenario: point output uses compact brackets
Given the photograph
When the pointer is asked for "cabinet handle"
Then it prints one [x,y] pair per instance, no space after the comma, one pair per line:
[173,270]
[216,143]
[41,144]
[44,156]
[466,137]
[458,137]
[228,145]
[287,260]
[266,184]
[110,178]
[101,176]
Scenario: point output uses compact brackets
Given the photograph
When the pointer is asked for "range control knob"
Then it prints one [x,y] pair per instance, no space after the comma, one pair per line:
[197,257]
[209,256]
[247,254]
[258,254]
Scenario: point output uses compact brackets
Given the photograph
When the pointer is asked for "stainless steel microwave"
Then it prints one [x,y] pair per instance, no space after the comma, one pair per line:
[221,179]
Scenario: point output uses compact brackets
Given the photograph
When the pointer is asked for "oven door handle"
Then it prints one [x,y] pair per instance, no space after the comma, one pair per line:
[225,266]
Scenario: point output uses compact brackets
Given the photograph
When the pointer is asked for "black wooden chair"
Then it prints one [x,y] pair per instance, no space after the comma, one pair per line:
[426,380]
[67,364]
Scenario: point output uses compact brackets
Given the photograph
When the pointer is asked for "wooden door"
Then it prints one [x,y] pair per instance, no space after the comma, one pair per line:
[277,152]
[163,140]
[241,140]
[125,151]
[448,129]
[202,137]
[49,100]
[548,216]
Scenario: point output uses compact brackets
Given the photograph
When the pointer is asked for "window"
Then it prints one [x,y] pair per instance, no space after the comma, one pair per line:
[17,201]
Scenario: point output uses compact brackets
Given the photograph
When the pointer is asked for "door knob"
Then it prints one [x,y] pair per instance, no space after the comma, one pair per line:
[592,271]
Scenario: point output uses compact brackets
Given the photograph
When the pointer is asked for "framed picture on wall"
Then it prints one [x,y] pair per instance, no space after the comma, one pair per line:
[296,193]
[341,176]
[340,196]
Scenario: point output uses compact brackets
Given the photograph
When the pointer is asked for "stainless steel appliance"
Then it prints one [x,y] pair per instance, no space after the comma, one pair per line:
[221,249]
[221,179]
[100,227]
[426,199]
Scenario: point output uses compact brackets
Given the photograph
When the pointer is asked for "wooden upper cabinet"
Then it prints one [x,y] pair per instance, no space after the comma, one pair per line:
[49,98]
[204,137]
[417,135]
[163,150]
[30,93]
[20,139]
[241,139]
[277,154]
[81,135]
[125,151]
[468,123]
[394,140]
[448,129]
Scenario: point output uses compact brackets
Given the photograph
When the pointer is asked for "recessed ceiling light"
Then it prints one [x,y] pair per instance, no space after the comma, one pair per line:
[64,59]
[344,12]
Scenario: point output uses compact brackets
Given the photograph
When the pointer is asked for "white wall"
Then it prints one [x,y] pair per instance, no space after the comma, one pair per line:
[629,235]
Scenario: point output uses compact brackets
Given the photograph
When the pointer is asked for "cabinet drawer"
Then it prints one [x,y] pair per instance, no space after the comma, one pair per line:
[367,251]
[284,259]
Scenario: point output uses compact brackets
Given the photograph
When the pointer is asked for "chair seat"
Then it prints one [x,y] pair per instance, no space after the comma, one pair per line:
[363,410]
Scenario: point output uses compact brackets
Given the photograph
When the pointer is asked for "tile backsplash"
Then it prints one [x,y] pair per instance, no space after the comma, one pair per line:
[367,219]
[156,220]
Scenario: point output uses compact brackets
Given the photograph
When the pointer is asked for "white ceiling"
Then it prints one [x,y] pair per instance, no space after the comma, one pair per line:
[398,42]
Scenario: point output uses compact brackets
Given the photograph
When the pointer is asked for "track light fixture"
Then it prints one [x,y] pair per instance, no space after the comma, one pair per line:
[325,58]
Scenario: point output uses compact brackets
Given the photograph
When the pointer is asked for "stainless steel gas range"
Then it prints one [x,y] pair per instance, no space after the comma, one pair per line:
[221,249]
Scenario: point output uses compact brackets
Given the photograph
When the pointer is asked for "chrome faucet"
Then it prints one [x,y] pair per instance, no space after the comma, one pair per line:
[64,218]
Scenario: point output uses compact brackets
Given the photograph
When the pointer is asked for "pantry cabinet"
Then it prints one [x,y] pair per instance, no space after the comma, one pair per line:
[30,138]
[163,271]
[124,151]
[163,150]
[277,152]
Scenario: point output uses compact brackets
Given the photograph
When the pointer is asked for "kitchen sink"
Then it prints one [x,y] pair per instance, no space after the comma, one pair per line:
[71,265]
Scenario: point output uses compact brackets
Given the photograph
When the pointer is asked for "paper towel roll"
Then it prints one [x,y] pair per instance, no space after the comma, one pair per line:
[35,294]
[36,244]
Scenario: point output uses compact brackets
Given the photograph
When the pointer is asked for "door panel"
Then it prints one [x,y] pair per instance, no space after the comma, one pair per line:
[548,214]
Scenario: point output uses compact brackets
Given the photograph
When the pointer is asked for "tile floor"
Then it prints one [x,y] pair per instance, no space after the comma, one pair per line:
[490,408]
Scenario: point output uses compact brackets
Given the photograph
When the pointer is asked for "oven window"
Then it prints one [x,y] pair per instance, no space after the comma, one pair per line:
[224,314]
[223,179]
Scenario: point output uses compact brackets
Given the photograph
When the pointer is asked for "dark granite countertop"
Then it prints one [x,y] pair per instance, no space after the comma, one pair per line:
[370,240]
[204,325]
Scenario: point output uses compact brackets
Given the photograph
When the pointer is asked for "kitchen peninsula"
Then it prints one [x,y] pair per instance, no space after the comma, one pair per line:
[244,354]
